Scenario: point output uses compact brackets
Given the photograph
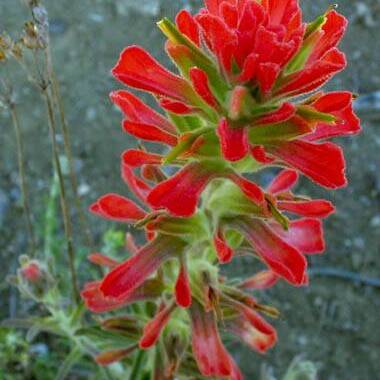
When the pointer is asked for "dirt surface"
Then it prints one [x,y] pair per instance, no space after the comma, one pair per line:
[334,322]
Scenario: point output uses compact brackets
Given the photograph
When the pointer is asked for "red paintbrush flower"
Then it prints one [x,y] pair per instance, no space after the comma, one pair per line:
[242,101]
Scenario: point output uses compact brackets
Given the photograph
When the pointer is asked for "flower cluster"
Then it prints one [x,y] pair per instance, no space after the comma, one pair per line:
[247,98]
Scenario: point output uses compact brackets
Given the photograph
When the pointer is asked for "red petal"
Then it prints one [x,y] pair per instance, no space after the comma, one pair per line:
[267,74]
[149,133]
[188,26]
[135,158]
[259,154]
[96,302]
[304,234]
[284,259]
[182,287]
[283,182]
[136,184]
[201,85]
[102,260]
[128,276]
[281,12]
[220,38]
[233,141]
[116,207]
[323,163]
[338,104]
[229,14]
[249,68]
[135,110]
[152,329]
[317,208]
[208,349]
[332,32]
[250,189]
[223,250]
[262,280]
[180,193]
[284,113]
[138,69]
[253,337]
[176,107]
[313,76]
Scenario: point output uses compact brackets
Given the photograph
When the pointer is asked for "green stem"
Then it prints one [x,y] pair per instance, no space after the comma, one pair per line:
[64,204]
[136,370]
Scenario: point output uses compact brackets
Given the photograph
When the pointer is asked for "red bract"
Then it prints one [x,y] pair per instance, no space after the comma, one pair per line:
[210,354]
[243,101]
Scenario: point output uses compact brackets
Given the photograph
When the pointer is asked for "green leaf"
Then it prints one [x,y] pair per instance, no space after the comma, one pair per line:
[278,132]
[103,339]
[73,358]
[281,218]
[309,113]
[186,123]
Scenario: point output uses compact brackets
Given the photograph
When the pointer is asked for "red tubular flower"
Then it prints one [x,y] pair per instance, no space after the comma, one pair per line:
[261,280]
[182,286]
[285,201]
[97,302]
[116,207]
[180,194]
[251,328]
[233,141]
[138,69]
[128,276]
[223,250]
[153,329]
[136,111]
[281,257]
[338,104]
[208,349]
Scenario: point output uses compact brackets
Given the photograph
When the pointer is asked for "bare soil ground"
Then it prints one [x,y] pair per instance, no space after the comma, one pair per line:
[334,322]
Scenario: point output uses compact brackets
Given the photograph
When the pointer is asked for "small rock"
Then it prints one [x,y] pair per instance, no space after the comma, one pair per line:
[83,189]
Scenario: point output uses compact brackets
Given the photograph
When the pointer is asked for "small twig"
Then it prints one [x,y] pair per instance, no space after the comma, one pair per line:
[345,275]
[21,166]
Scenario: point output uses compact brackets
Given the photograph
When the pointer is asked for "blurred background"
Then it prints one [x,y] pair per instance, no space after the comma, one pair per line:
[335,321]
